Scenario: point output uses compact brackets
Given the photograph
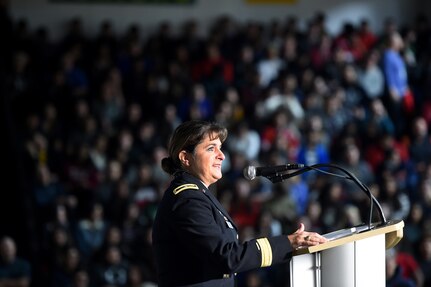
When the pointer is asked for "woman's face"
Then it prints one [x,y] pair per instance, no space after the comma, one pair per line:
[205,162]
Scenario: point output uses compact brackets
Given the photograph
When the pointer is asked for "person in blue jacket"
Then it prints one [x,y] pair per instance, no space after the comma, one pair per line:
[195,240]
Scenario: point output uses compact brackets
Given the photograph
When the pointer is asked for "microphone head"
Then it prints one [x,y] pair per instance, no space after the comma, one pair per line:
[250,172]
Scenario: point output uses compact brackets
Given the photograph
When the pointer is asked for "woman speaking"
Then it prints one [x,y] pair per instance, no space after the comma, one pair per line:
[195,240]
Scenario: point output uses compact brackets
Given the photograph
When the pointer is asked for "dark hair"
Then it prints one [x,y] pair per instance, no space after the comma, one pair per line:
[185,137]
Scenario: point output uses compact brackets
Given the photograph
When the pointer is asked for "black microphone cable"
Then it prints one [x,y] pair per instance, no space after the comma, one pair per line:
[361,185]
[279,177]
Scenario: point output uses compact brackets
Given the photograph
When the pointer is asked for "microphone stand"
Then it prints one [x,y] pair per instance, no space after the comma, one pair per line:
[279,177]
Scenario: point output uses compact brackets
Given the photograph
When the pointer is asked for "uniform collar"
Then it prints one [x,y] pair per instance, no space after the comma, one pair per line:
[191,178]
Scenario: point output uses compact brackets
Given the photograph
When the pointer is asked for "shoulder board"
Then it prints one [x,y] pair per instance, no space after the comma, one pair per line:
[185,186]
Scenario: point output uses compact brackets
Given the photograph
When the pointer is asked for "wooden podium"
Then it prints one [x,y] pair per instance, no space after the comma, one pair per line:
[355,259]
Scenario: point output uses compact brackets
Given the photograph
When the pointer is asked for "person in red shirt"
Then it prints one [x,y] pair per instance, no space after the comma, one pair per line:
[410,268]
[366,35]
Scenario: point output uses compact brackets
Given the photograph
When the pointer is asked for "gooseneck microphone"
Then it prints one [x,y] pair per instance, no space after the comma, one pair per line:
[278,173]
[250,172]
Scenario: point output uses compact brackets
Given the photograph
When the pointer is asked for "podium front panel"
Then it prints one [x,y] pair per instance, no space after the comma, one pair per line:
[359,263]
[338,266]
[305,270]
[370,258]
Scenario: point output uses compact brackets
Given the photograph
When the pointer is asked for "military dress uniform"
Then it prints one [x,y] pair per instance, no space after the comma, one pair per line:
[196,242]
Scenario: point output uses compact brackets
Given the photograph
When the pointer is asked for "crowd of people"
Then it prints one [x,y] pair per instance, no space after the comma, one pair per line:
[92,117]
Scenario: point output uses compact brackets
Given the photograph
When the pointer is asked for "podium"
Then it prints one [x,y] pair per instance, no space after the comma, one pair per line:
[351,258]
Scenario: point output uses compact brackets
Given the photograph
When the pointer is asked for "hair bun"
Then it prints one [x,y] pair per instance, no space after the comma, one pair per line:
[168,165]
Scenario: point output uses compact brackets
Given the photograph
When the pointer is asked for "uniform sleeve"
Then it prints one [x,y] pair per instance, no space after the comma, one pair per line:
[196,226]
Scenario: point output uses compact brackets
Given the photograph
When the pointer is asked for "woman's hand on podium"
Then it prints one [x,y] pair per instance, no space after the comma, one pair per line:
[302,238]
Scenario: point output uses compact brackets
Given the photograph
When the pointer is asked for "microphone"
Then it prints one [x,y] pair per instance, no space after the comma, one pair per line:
[251,172]
[273,173]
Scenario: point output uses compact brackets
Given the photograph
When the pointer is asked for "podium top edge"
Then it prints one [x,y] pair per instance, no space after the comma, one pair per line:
[389,227]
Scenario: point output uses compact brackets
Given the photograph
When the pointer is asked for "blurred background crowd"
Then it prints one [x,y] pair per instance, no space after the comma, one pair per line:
[88,120]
